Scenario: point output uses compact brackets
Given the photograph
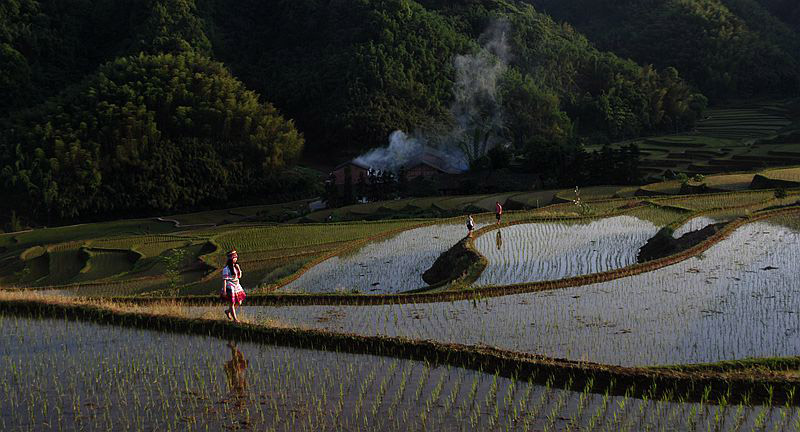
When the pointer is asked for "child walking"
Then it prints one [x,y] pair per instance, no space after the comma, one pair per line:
[232,291]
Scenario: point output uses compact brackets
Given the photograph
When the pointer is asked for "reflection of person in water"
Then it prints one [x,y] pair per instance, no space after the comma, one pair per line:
[234,372]
[499,240]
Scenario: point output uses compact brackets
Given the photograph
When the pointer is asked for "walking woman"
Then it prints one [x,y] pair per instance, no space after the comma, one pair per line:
[232,291]
[470,226]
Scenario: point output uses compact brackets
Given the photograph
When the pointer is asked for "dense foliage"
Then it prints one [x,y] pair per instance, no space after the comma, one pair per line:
[725,54]
[123,141]
[350,72]
[786,10]
[48,45]
[119,106]
[164,129]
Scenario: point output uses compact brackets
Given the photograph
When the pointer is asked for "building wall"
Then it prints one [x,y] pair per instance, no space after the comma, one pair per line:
[421,171]
[355,173]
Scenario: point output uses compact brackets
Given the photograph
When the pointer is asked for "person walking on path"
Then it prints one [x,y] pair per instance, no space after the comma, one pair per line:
[232,292]
[470,226]
[498,211]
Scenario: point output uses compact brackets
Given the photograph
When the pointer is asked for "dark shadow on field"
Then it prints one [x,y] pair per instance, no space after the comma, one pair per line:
[498,238]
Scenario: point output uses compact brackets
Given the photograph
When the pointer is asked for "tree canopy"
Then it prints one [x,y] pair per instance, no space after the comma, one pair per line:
[726,55]
[147,132]
[118,106]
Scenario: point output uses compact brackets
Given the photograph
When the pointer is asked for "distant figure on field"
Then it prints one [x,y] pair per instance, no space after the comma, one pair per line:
[498,239]
[470,226]
[232,291]
[498,211]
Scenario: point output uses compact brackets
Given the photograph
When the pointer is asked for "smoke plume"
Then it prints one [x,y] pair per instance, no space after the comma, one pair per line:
[476,112]
[402,150]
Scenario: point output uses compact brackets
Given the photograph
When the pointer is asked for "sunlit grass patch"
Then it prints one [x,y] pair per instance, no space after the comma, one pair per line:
[786,174]
[717,201]
[289,236]
[239,214]
[106,263]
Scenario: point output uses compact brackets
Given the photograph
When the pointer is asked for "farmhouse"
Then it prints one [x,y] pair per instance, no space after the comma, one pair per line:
[357,169]
[431,165]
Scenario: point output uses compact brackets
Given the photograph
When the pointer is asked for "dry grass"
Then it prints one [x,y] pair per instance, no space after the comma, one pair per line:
[166,308]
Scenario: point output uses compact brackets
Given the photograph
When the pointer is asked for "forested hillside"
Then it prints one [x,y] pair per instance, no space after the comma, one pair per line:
[726,55]
[123,106]
[351,72]
[47,46]
[118,109]
[786,10]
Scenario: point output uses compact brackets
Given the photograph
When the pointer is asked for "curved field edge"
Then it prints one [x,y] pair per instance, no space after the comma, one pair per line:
[269,299]
[473,272]
[349,247]
[558,211]
[690,384]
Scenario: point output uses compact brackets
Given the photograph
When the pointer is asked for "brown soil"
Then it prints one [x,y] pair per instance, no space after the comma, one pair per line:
[452,264]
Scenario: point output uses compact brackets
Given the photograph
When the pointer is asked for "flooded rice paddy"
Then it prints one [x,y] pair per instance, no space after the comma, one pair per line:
[519,253]
[547,251]
[739,299]
[392,265]
[694,224]
[65,375]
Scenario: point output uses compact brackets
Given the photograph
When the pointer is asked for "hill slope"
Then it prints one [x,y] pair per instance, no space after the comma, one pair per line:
[725,54]
[346,73]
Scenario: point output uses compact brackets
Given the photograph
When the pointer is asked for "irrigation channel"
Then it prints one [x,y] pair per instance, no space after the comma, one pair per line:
[61,374]
[535,252]
[737,300]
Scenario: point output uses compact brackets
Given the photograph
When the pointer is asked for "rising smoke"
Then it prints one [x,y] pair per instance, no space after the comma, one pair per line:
[402,150]
[476,112]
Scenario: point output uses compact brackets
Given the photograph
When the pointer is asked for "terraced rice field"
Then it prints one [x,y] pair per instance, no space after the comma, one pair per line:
[580,358]
[732,139]
[741,123]
[717,183]
[549,251]
[392,265]
[718,201]
[737,300]
[694,224]
[121,379]
[785,174]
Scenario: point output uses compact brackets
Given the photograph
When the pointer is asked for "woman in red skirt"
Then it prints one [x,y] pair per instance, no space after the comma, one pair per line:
[232,291]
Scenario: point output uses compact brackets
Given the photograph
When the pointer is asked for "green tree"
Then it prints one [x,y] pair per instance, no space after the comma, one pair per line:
[146,133]
[172,27]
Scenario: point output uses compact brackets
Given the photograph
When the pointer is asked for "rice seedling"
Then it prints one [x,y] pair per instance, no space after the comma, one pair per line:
[734,301]
[392,265]
[548,251]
